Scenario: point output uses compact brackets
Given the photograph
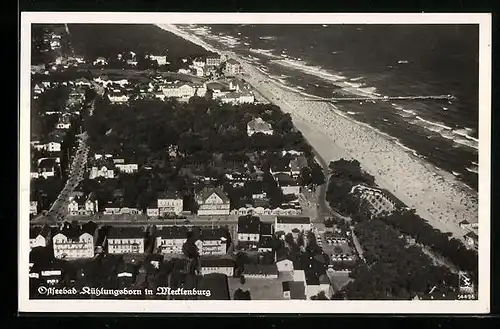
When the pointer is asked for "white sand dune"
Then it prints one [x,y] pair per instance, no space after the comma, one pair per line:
[436,195]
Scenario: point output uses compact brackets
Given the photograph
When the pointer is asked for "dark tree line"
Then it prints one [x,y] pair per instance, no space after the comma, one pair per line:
[139,38]
[345,174]
[393,270]
[410,224]
[207,135]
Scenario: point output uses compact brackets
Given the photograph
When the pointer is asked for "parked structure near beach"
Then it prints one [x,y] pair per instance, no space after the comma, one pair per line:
[380,201]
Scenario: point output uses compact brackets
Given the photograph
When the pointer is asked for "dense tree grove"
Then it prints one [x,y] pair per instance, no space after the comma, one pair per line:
[393,270]
[344,175]
[409,223]
[180,141]
[140,39]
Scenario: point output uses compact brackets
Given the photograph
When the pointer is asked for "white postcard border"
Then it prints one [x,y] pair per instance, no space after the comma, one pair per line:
[482,305]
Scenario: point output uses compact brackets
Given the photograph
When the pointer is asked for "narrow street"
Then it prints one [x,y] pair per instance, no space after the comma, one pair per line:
[58,210]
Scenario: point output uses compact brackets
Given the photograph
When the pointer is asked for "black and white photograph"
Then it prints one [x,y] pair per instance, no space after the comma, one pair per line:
[268,163]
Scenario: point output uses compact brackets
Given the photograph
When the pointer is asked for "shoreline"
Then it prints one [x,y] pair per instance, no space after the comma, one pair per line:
[436,195]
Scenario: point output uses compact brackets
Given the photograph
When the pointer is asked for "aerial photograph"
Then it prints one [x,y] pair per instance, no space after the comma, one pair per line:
[254,161]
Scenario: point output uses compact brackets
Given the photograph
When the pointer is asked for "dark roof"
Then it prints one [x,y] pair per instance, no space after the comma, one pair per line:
[213,234]
[297,290]
[464,222]
[90,227]
[34,232]
[208,191]
[285,179]
[324,279]
[293,219]
[126,233]
[216,85]
[173,232]
[266,242]
[260,269]
[298,163]
[266,228]
[47,163]
[249,224]
[92,196]
[232,61]
[311,278]
[472,235]
[127,268]
[44,231]
[217,284]
[169,195]
[281,254]
[154,257]
[72,232]
[216,262]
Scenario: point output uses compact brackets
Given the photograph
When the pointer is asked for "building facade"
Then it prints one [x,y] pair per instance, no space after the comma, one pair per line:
[170,205]
[213,202]
[71,247]
[288,224]
[258,125]
[379,201]
[217,265]
[126,240]
[170,239]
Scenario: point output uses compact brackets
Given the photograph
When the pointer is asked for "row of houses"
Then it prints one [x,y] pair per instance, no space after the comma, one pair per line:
[85,241]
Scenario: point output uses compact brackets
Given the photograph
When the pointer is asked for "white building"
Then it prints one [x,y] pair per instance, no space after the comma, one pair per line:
[232,67]
[199,72]
[101,172]
[84,207]
[152,212]
[63,125]
[169,204]
[248,230]
[71,245]
[51,147]
[33,207]
[126,240]
[212,242]
[160,59]
[170,239]
[213,61]
[127,168]
[287,224]
[217,265]
[236,97]
[198,62]
[267,211]
[40,237]
[118,98]
[101,61]
[212,202]
[183,91]
[258,125]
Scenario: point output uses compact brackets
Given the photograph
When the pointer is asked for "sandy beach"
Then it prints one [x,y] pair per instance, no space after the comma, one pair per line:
[435,194]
